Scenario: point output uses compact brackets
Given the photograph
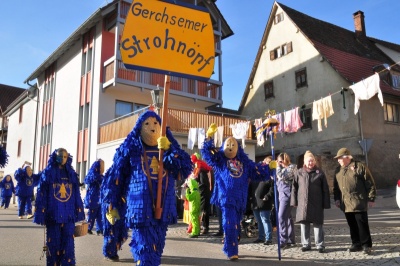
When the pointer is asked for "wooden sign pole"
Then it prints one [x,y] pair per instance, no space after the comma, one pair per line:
[158,210]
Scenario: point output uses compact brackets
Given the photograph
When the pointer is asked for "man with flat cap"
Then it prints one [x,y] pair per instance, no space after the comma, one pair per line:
[354,192]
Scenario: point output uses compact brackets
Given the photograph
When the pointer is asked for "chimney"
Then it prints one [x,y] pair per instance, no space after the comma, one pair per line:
[359,24]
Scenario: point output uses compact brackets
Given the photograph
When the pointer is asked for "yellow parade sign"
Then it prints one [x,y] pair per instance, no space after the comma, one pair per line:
[168,38]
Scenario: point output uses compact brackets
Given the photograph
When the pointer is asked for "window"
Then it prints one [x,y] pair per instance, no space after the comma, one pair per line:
[138,107]
[268,90]
[19,148]
[281,51]
[20,114]
[391,112]
[301,78]
[306,118]
[123,108]
[278,18]
[396,81]
[286,48]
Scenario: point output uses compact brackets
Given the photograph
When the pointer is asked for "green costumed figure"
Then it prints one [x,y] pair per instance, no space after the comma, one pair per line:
[193,196]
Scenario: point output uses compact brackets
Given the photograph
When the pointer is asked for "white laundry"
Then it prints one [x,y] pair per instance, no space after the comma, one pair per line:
[239,131]
[322,109]
[366,89]
[192,137]
[201,133]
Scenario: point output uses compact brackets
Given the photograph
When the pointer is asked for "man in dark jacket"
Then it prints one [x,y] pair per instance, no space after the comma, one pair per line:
[354,192]
[262,199]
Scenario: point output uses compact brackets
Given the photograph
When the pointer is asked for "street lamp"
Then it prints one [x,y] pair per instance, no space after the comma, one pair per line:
[157,97]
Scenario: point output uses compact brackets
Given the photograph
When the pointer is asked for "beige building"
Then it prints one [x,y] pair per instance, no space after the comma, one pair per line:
[301,60]
[85,100]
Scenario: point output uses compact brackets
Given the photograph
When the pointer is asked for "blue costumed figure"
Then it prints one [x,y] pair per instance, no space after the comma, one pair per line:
[26,182]
[7,189]
[115,231]
[59,206]
[233,170]
[134,182]
[3,157]
[91,202]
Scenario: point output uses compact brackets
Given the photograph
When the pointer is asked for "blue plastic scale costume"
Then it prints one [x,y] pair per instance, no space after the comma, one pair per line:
[92,199]
[115,234]
[3,157]
[133,186]
[7,189]
[26,182]
[232,170]
[58,207]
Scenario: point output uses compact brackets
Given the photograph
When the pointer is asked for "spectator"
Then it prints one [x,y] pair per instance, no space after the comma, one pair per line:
[285,174]
[354,192]
[262,198]
[310,194]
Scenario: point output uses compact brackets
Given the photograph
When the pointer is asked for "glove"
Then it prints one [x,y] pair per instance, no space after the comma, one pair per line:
[163,143]
[211,130]
[272,164]
[112,216]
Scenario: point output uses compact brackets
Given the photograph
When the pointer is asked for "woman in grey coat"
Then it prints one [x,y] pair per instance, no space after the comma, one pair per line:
[310,194]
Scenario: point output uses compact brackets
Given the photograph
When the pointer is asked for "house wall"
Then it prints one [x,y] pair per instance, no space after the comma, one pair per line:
[66,100]
[343,128]
[24,131]
[384,154]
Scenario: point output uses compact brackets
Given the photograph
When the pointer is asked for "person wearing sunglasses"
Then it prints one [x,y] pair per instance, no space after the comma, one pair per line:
[285,173]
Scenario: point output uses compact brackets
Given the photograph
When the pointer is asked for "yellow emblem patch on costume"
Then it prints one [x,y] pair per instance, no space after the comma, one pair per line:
[62,192]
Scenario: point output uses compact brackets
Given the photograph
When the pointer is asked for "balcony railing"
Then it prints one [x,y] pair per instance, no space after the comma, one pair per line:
[179,121]
[199,88]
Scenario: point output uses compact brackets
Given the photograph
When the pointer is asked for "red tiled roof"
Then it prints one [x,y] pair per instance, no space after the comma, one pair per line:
[352,67]
[8,94]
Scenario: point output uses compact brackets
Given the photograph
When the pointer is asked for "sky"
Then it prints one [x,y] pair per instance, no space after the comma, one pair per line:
[31,31]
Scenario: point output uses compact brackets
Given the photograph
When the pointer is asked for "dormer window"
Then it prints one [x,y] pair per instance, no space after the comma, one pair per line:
[278,18]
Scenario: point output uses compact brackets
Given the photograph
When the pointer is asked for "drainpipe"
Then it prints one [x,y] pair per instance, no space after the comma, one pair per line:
[364,143]
[36,123]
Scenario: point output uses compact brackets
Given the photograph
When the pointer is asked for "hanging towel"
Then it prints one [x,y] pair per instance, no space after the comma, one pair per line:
[201,136]
[292,121]
[218,136]
[258,124]
[192,138]
[239,131]
[328,109]
[365,90]
[318,113]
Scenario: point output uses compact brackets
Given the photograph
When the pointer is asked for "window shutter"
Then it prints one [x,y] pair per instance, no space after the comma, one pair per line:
[272,55]
[289,47]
